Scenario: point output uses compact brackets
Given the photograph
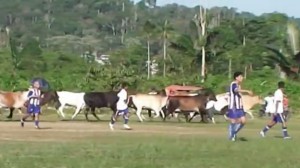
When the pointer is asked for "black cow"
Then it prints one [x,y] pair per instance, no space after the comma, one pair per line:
[95,100]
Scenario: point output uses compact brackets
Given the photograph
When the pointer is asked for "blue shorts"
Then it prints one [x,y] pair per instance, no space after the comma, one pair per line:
[235,114]
[279,117]
[122,112]
[33,109]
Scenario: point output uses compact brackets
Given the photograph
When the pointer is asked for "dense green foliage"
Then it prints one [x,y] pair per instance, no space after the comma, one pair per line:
[47,38]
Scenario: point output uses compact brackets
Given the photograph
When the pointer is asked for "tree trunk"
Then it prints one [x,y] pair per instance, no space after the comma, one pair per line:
[251,67]
[148,60]
[203,65]
[165,47]
[244,36]
[123,31]
[123,25]
[165,55]
[245,73]
[229,68]
[203,33]
[135,18]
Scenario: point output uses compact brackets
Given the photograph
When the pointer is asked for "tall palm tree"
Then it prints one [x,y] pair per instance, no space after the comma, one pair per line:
[166,30]
[201,23]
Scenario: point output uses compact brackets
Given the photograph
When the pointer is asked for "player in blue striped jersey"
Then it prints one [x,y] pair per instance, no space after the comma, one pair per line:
[236,112]
[33,99]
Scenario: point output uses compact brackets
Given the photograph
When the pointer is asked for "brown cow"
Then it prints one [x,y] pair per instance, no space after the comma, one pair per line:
[196,103]
[17,100]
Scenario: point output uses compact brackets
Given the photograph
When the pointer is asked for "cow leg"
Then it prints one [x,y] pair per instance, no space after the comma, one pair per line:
[138,113]
[177,115]
[225,116]
[11,111]
[94,113]
[114,109]
[193,116]
[211,114]
[166,112]
[157,111]
[224,111]
[203,117]
[186,116]
[250,113]
[162,114]
[60,110]
[149,113]
[86,111]
[144,118]
[77,111]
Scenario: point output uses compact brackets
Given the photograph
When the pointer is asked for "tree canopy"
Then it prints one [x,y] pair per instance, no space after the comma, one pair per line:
[58,39]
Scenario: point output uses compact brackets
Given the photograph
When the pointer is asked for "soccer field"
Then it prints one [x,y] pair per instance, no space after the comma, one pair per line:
[81,144]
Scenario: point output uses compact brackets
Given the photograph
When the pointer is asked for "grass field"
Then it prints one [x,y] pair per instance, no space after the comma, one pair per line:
[152,144]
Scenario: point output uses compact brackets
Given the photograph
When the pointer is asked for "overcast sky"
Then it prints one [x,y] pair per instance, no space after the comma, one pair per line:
[290,7]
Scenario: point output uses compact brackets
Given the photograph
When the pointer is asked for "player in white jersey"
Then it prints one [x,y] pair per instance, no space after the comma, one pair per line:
[236,112]
[269,104]
[278,113]
[122,109]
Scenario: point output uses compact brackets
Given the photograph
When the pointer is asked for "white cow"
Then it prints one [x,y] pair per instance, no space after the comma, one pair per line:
[71,99]
[248,103]
[154,102]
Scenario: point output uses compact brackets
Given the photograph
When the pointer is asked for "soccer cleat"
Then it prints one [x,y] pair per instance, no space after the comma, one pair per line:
[287,137]
[233,138]
[37,127]
[127,127]
[262,134]
[111,126]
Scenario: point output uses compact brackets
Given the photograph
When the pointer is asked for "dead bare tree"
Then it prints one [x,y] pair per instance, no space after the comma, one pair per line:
[201,23]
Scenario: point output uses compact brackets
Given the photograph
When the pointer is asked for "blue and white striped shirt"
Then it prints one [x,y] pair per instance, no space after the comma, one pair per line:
[235,100]
[34,97]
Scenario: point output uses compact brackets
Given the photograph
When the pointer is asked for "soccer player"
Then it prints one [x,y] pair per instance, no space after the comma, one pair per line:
[236,112]
[269,104]
[122,109]
[33,99]
[278,114]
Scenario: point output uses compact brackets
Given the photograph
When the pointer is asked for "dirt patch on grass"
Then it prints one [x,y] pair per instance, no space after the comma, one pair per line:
[72,131]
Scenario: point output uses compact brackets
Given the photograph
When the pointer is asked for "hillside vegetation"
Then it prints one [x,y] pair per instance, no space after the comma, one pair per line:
[47,37]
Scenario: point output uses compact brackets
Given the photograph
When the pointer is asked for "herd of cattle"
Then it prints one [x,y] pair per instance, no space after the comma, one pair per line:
[205,102]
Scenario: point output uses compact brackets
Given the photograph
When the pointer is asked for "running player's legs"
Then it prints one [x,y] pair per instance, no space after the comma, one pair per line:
[280,118]
[271,123]
[36,111]
[233,117]
[241,120]
[32,110]
[124,113]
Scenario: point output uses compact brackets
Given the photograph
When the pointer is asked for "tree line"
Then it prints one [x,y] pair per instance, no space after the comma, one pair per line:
[191,45]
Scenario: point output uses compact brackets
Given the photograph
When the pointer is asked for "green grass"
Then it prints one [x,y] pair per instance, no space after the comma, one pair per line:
[138,150]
